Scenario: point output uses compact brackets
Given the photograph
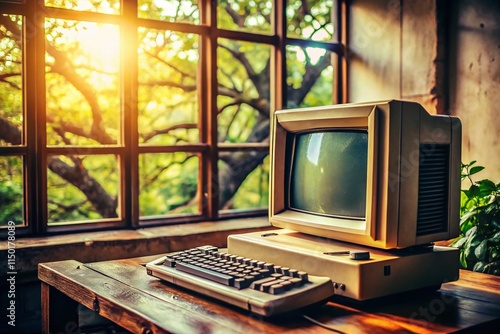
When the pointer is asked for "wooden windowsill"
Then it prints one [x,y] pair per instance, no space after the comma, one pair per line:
[118,244]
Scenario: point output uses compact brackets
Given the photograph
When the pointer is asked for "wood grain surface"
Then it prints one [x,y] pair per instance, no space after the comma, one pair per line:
[122,292]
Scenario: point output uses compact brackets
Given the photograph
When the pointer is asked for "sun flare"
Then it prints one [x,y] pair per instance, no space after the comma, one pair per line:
[101,43]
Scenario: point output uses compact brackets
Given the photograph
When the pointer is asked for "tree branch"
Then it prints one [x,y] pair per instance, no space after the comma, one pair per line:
[241,57]
[238,19]
[157,172]
[63,66]
[79,177]
[186,88]
[167,130]
[62,127]
[161,60]
[238,166]
[4,77]
[9,132]
[311,76]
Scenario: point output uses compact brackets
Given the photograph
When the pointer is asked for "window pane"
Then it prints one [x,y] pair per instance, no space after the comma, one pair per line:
[244,91]
[82,83]
[243,180]
[170,10]
[250,16]
[168,184]
[11,80]
[309,77]
[82,188]
[11,190]
[310,19]
[98,6]
[168,97]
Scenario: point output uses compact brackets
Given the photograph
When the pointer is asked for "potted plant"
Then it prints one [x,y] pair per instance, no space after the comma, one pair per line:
[479,240]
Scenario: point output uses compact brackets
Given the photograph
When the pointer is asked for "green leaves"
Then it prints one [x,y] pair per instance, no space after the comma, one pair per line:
[481,249]
[479,241]
[475,169]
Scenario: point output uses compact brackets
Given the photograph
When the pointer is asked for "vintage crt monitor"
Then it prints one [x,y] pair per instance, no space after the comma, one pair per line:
[381,178]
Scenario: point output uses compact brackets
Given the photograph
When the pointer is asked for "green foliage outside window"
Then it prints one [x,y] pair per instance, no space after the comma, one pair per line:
[85,107]
[11,190]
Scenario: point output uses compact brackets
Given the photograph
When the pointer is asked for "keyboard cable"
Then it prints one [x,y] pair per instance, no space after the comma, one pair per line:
[316,322]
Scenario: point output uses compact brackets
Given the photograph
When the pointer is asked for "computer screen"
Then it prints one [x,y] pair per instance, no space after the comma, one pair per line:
[383,174]
[334,158]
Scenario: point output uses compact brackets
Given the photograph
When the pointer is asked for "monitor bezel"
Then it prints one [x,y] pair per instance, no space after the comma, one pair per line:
[288,124]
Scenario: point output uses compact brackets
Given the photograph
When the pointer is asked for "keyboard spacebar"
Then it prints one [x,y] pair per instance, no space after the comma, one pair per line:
[205,273]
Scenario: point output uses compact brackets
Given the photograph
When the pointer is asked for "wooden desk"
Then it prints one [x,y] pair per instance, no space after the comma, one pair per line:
[122,292]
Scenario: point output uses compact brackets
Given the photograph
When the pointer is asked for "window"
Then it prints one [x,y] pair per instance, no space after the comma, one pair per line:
[119,114]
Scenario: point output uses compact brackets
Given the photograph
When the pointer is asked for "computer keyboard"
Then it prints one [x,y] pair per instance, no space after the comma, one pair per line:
[259,287]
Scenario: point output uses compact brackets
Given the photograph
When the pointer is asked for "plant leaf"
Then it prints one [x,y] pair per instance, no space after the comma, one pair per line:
[479,266]
[458,242]
[486,186]
[495,239]
[492,268]
[475,170]
[496,224]
[466,226]
[481,250]
[471,232]
[494,255]
[463,259]
[476,239]
[491,206]
[474,191]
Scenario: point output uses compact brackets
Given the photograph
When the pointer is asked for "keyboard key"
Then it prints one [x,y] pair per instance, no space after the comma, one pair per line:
[256,284]
[303,276]
[276,289]
[169,262]
[205,273]
[287,285]
[266,288]
[241,283]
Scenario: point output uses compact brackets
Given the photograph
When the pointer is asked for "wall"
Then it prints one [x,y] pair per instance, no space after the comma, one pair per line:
[442,54]
[393,52]
[474,81]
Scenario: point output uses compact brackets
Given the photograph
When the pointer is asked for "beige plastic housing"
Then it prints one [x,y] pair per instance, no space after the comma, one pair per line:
[386,272]
[398,134]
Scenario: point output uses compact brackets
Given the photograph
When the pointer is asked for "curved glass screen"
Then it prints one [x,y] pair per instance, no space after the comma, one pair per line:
[328,175]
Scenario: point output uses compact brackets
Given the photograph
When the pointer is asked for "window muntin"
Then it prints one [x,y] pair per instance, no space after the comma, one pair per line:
[102,114]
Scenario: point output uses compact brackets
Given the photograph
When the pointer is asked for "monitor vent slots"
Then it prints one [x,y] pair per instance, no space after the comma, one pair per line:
[432,215]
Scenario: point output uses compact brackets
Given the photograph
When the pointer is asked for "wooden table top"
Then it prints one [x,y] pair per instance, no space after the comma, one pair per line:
[126,295]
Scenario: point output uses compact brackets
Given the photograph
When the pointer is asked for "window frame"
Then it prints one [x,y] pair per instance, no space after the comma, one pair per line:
[35,150]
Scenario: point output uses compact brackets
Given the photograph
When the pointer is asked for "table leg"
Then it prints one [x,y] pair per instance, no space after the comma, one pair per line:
[59,312]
